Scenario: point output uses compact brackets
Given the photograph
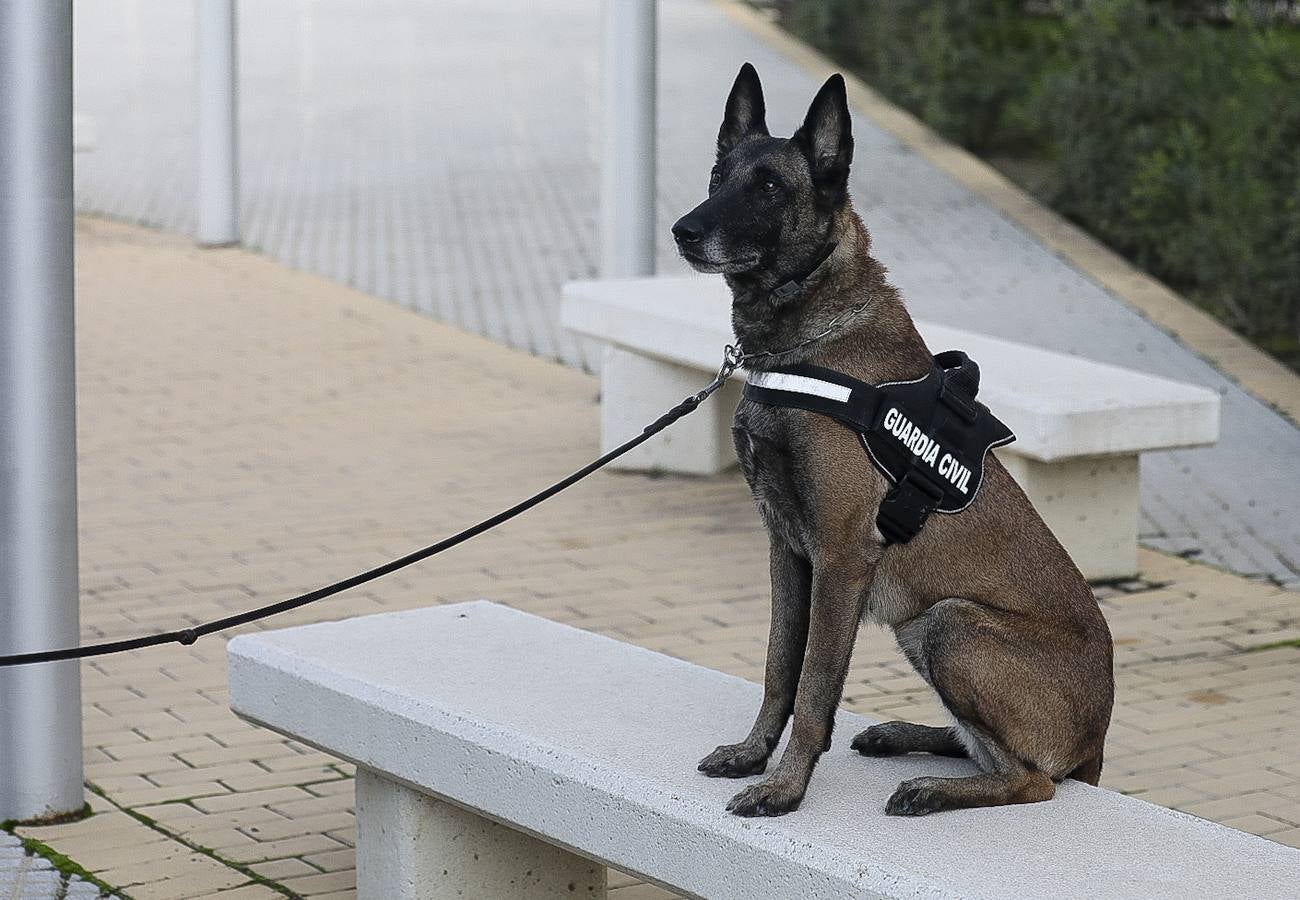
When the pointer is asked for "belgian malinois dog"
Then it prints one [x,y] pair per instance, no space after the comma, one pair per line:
[985,604]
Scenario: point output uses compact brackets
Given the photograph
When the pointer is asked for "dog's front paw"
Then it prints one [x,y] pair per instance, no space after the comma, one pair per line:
[734,761]
[767,798]
[917,797]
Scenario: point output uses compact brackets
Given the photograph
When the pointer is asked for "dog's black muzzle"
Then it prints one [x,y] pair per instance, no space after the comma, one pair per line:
[692,228]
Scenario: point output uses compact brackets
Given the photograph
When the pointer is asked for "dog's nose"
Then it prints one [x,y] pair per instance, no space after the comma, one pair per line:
[688,230]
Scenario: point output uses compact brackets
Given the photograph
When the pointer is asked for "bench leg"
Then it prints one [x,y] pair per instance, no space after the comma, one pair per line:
[410,845]
[635,390]
[1091,505]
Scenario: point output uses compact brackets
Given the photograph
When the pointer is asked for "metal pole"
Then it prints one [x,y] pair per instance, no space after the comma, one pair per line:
[218,132]
[40,705]
[627,195]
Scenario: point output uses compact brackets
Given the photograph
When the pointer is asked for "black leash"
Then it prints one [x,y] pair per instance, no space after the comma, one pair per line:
[731,362]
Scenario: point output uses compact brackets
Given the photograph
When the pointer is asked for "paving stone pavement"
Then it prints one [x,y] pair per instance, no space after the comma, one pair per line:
[24,876]
[247,432]
[443,156]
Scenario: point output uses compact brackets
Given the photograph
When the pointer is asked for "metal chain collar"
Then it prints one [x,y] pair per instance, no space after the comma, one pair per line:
[734,357]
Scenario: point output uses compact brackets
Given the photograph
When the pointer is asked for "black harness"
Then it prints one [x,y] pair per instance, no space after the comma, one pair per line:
[928,436]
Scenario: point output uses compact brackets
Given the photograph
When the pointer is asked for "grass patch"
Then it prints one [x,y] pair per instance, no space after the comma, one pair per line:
[56,819]
[66,866]
[1293,642]
[63,864]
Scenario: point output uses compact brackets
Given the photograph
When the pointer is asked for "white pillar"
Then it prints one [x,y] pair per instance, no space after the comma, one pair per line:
[40,705]
[411,846]
[217,119]
[627,178]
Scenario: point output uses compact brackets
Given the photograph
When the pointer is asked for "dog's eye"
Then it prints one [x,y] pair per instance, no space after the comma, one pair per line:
[715,179]
[770,186]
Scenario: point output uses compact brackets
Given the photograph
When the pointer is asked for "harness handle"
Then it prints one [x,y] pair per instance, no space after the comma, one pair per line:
[959,383]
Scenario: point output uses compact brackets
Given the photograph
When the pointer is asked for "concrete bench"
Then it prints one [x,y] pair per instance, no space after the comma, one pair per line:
[1080,425]
[504,756]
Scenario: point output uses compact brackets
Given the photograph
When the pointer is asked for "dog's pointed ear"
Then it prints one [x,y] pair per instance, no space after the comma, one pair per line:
[826,136]
[746,113]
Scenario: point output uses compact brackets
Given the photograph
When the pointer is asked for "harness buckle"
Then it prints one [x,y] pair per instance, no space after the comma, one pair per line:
[787,290]
[906,507]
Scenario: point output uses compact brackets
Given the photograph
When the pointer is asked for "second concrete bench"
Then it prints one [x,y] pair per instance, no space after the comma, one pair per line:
[1080,425]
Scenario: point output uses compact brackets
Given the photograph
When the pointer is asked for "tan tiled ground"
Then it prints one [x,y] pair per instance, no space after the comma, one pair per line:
[247,432]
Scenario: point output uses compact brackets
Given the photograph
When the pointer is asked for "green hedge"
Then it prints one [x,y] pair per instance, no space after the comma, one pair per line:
[1174,140]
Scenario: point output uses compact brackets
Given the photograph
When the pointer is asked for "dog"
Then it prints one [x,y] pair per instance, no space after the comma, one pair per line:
[985,604]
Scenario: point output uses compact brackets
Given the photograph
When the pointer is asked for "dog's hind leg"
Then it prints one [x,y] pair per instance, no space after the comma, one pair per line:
[921,796]
[1031,707]
[1089,772]
[1010,781]
[899,738]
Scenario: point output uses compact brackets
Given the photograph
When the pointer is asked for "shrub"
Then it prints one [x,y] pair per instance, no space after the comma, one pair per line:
[1171,133]
[1180,145]
[960,65]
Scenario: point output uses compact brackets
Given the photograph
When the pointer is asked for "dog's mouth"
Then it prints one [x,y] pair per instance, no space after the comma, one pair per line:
[711,266]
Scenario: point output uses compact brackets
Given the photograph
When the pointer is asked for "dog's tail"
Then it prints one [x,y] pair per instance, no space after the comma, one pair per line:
[1089,772]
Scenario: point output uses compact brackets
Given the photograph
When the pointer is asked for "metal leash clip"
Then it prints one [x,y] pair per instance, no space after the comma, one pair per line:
[732,357]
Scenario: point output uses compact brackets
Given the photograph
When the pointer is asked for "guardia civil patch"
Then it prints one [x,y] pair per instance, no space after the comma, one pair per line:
[929,436]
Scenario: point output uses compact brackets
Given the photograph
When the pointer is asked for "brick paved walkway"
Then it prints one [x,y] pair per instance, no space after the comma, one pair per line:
[27,876]
[247,432]
[442,155]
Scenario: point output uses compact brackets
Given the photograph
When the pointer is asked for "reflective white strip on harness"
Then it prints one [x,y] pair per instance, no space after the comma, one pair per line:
[929,436]
[800,384]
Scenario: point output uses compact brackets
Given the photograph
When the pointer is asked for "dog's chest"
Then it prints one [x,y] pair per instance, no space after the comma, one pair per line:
[769,450]
[771,443]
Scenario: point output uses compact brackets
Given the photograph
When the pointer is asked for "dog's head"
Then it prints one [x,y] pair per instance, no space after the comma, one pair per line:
[771,200]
